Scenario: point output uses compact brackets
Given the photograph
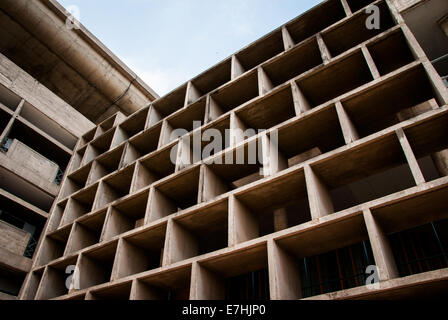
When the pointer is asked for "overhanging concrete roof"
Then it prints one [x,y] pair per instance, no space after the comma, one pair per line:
[72,63]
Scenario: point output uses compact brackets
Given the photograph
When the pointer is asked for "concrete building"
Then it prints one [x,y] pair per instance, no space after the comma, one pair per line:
[357,178]
[55,85]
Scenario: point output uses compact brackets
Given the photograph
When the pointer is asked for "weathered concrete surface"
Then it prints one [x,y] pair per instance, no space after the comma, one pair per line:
[14,261]
[405,4]
[13,239]
[24,156]
[70,62]
[29,175]
[25,86]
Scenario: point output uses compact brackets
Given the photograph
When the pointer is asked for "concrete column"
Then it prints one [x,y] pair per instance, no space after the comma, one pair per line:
[412,161]
[237,68]
[243,225]
[347,9]
[264,83]
[373,69]
[288,41]
[348,128]
[382,251]
[284,276]
[205,285]
[318,195]
[301,104]
[325,53]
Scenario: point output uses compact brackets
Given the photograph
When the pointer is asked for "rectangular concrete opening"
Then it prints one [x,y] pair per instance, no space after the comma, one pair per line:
[10,281]
[54,282]
[236,93]
[154,167]
[172,284]
[171,102]
[267,208]
[259,52]
[184,121]
[35,278]
[105,164]
[106,125]
[8,98]
[79,205]
[199,232]
[76,181]
[98,146]
[214,138]
[331,258]
[416,231]
[174,195]
[54,245]
[241,275]
[335,79]
[126,215]
[294,62]
[265,114]
[114,187]
[421,249]
[95,267]
[310,136]
[213,78]
[353,31]
[315,20]
[135,123]
[428,140]
[87,137]
[375,170]
[245,167]
[383,105]
[86,232]
[143,144]
[77,158]
[141,252]
[380,51]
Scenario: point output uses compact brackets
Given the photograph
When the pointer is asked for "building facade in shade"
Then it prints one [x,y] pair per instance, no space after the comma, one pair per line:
[350,182]
[49,98]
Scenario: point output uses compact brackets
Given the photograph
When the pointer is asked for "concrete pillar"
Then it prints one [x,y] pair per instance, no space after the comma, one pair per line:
[412,161]
[284,276]
[318,195]
[288,41]
[382,251]
[348,128]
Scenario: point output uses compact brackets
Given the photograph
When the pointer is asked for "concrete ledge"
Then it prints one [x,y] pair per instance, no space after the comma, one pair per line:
[14,261]
[36,180]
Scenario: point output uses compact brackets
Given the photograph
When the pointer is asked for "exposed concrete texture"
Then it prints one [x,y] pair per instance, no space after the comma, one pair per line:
[30,89]
[355,127]
[24,156]
[13,239]
[14,261]
[72,63]
[29,175]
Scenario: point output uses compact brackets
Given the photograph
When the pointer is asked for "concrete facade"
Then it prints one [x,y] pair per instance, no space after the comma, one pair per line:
[356,180]
[51,94]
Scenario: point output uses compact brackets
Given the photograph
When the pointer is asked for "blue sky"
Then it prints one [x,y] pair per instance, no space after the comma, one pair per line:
[167,42]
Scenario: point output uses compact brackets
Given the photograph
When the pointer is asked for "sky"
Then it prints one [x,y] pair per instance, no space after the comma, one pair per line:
[168,42]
